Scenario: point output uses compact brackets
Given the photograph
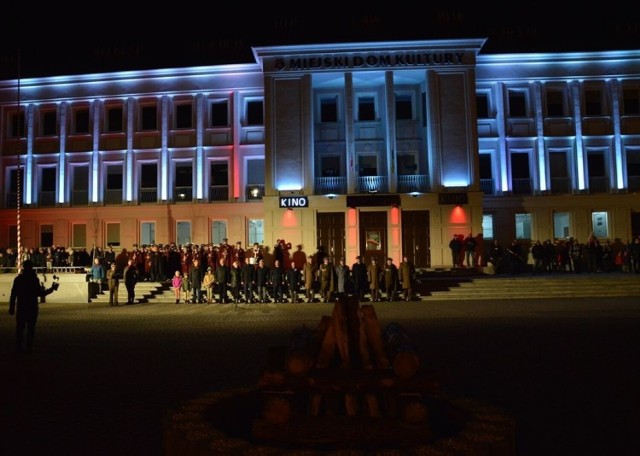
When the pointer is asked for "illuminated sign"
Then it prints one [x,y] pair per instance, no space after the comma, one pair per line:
[289,202]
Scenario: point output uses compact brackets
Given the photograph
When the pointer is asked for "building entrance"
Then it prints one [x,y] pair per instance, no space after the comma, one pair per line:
[415,238]
[331,234]
[373,236]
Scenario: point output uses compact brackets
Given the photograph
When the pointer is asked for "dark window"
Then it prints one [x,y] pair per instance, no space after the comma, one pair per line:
[482,105]
[114,178]
[555,105]
[366,109]
[423,108]
[255,171]
[17,125]
[328,110]
[520,166]
[183,175]
[219,114]
[592,103]
[183,116]
[48,177]
[219,174]
[517,104]
[80,178]
[485,166]
[404,107]
[149,118]
[631,102]
[114,120]
[596,164]
[13,180]
[49,123]
[255,113]
[81,121]
[149,175]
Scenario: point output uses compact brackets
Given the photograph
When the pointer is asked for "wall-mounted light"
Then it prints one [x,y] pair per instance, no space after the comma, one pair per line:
[415,194]
[255,192]
[373,190]
[331,196]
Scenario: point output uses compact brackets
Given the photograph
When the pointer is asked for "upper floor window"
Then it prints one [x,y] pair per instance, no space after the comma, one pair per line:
[17,127]
[593,105]
[81,121]
[49,123]
[220,113]
[255,112]
[404,107]
[482,105]
[517,103]
[631,102]
[149,118]
[366,108]
[184,116]
[555,103]
[114,120]
[329,109]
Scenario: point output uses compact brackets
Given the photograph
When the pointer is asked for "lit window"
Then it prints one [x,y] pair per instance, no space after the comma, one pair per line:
[487,226]
[600,222]
[523,226]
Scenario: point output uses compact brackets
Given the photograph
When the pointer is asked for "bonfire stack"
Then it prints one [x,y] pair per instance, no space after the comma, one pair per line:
[345,383]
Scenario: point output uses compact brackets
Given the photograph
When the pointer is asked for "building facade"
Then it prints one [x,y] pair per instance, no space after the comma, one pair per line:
[377,149]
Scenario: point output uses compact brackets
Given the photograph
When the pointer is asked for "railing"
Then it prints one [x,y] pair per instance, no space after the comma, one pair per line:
[521,186]
[560,185]
[413,183]
[79,197]
[633,183]
[329,185]
[254,192]
[486,185]
[219,193]
[113,196]
[371,184]
[183,194]
[148,195]
[598,184]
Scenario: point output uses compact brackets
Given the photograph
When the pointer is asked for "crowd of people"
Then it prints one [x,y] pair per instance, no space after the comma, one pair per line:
[560,255]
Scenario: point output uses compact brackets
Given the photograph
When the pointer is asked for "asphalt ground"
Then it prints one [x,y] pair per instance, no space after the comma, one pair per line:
[101,380]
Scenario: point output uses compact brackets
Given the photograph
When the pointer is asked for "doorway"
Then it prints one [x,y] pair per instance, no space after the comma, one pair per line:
[373,236]
[416,244]
[331,235]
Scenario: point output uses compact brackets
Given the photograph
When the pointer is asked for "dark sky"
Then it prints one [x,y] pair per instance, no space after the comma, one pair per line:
[79,38]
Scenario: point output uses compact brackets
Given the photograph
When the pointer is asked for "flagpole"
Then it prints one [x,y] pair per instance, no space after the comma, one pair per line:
[19,180]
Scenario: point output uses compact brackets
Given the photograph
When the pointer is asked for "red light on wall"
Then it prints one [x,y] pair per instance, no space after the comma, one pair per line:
[395,215]
[459,215]
[289,218]
[352,214]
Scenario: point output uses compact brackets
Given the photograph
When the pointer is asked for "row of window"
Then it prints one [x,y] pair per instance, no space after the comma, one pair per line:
[148,118]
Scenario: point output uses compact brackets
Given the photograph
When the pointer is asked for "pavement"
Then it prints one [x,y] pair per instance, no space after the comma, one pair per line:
[101,380]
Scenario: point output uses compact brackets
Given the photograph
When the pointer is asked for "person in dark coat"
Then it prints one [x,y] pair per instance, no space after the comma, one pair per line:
[262,281]
[390,274]
[26,292]
[248,278]
[130,275]
[293,278]
[277,281]
[223,277]
[359,277]
[195,278]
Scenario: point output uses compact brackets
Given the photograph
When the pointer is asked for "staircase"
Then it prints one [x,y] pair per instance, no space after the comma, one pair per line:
[145,292]
[524,286]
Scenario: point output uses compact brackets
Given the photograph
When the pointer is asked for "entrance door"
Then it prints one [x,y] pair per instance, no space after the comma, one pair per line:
[373,236]
[331,234]
[416,244]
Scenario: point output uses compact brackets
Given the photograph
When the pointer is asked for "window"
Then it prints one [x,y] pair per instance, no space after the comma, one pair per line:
[330,166]
[555,103]
[113,234]
[367,165]
[600,222]
[147,233]
[220,113]
[148,175]
[79,235]
[631,102]
[184,118]
[561,225]
[255,112]
[46,235]
[48,179]
[593,102]
[49,123]
[219,173]
[523,226]
[517,103]
[256,231]
[149,118]
[183,232]
[114,120]
[183,190]
[329,109]
[114,184]
[255,171]
[17,125]
[81,121]
[218,231]
[482,105]
[366,109]
[404,107]
[487,226]
[80,185]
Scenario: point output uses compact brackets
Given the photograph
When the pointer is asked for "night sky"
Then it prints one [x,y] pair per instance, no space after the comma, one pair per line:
[86,38]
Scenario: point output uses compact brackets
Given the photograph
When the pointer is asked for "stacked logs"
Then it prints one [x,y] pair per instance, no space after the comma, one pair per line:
[345,383]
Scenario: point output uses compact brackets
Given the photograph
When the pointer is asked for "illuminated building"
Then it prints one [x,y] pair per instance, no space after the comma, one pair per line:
[384,148]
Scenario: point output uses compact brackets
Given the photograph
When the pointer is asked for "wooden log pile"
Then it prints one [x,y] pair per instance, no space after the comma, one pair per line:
[347,382]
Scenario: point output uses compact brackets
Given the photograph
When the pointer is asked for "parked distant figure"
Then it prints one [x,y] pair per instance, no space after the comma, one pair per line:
[24,302]
[293,277]
[343,277]
[326,275]
[130,280]
[223,277]
[390,274]
[456,246]
[373,276]
[309,278]
[113,282]
[406,274]
[176,284]
[470,251]
[359,277]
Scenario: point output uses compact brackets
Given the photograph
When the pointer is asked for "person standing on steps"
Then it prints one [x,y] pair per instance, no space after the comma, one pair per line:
[130,280]
[176,284]
[26,292]
[113,282]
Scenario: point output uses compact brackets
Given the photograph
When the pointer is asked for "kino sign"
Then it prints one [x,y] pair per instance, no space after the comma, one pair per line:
[290,202]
